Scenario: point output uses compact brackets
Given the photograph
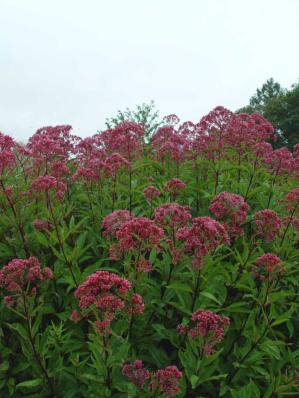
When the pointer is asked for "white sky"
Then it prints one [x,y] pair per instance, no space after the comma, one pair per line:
[79,61]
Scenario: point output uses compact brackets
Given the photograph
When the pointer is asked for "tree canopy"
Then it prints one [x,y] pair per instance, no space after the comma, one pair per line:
[281,107]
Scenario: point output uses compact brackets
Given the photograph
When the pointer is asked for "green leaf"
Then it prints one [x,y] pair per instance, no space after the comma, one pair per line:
[20,329]
[180,286]
[29,383]
[194,379]
[282,318]
[211,297]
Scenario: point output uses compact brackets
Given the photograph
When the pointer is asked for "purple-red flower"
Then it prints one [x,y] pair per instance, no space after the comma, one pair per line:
[204,235]
[208,326]
[172,215]
[292,199]
[23,276]
[267,266]
[174,186]
[139,232]
[107,293]
[114,163]
[167,380]
[136,373]
[268,224]
[7,156]
[151,192]
[232,210]
[113,221]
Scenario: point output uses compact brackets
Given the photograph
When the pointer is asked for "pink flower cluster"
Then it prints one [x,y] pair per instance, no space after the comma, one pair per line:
[151,192]
[136,373]
[165,381]
[59,169]
[204,235]
[41,225]
[174,186]
[134,234]
[23,276]
[126,139]
[232,210]
[266,266]
[114,163]
[268,224]
[138,233]
[107,293]
[7,156]
[169,142]
[213,129]
[292,199]
[207,325]
[172,215]
[113,221]
[46,183]
[50,143]
[280,161]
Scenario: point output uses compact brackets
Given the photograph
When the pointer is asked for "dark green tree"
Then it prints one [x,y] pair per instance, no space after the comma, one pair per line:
[281,107]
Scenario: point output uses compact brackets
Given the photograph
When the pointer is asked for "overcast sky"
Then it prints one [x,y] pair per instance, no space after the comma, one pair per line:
[79,61]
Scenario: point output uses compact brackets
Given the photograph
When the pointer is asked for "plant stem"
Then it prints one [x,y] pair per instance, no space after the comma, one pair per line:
[19,225]
[272,186]
[35,353]
[288,225]
[196,290]
[68,264]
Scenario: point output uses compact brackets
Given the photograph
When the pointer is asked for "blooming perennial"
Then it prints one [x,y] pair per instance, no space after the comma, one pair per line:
[208,326]
[151,192]
[167,381]
[106,294]
[232,210]
[7,156]
[267,266]
[22,277]
[136,373]
[137,235]
[172,215]
[204,235]
[113,221]
[174,186]
[268,224]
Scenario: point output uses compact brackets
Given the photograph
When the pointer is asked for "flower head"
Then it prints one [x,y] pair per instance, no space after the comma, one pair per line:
[114,163]
[113,221]
[139,231]
[136,373]
[167,381]
[204,235]
[7,156]
[292,199]
[174,186]
[232,210]
[267,266]
[151,192]
[206,325]
[108,294]
[172,215]
[267,223]
[23,275]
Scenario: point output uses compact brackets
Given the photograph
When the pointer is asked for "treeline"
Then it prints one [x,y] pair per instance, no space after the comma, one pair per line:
[281,107]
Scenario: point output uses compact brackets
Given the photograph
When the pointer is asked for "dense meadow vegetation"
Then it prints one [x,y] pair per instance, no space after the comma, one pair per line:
[161,266]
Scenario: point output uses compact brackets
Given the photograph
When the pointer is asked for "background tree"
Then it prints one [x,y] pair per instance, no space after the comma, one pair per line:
[145,114]
[281,107]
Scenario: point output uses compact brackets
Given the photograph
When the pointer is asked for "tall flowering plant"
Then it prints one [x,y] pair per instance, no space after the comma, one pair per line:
[174,261]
